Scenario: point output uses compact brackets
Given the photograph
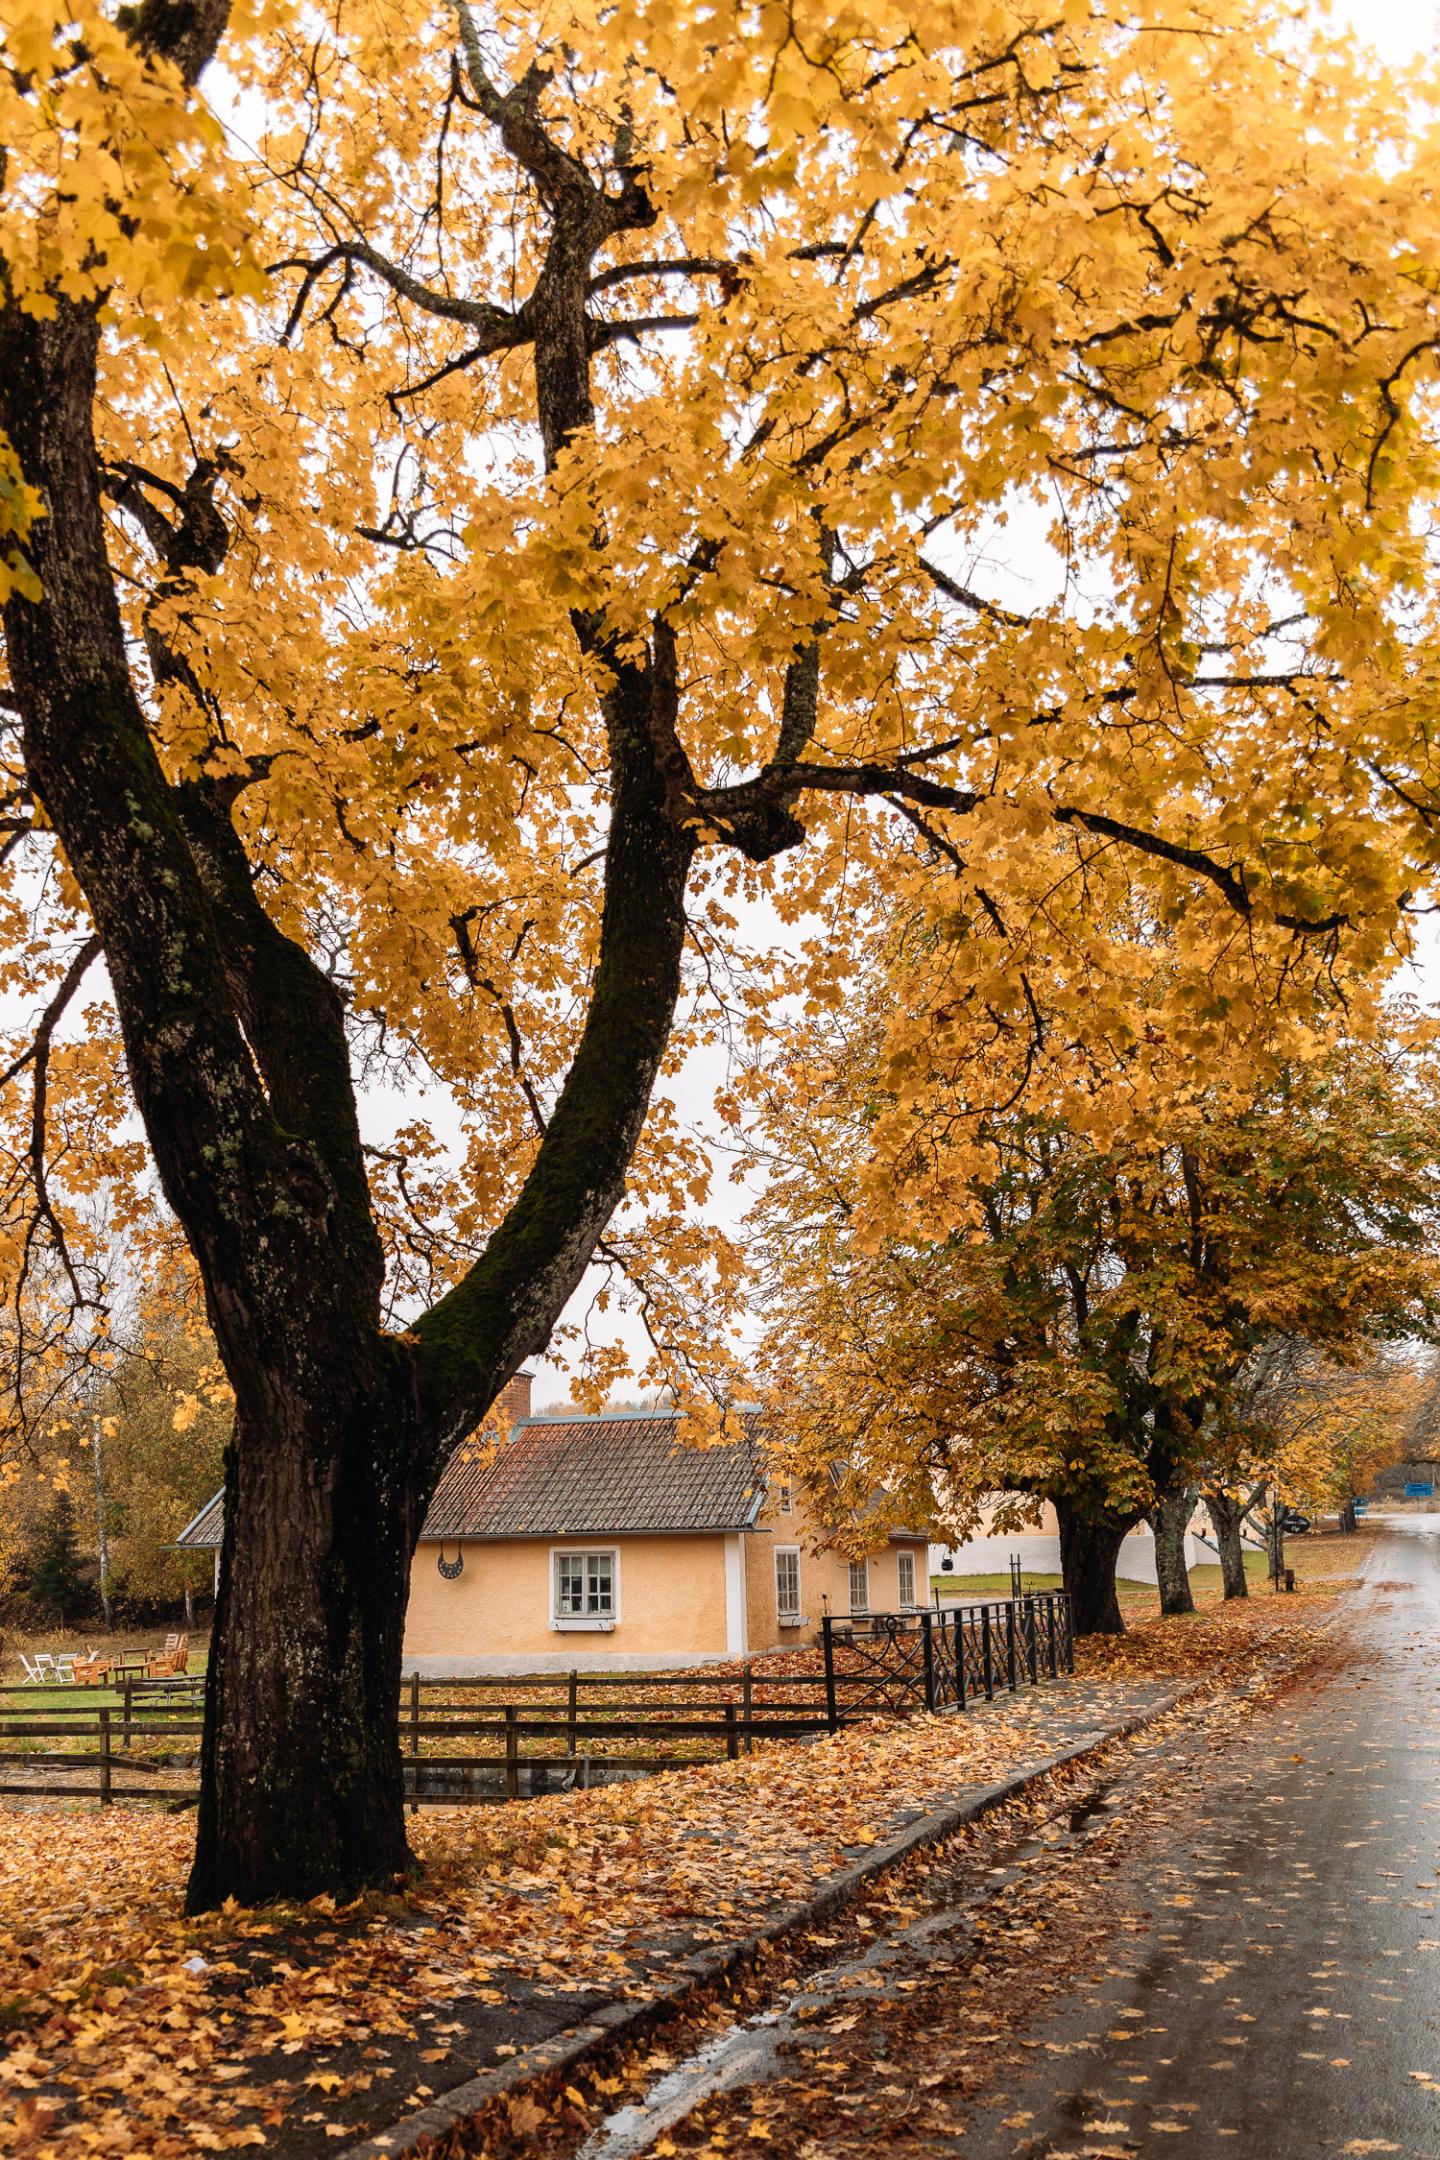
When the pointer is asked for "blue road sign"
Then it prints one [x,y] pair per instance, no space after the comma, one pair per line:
[1420,1492]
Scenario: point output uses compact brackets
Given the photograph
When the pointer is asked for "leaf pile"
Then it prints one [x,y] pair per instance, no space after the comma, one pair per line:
[131,2029]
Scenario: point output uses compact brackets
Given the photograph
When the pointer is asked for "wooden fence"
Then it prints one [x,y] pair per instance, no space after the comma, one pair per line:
[565,1730]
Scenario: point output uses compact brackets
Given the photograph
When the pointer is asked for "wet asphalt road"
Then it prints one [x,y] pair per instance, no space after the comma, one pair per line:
[1285,1998]
[1245,1947]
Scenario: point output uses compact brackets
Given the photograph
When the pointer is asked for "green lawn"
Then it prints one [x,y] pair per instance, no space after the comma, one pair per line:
[20,1702]
[20,1696]
[1325,1558]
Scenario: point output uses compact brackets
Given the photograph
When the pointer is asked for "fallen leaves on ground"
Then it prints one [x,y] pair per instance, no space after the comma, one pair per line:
[130,2029]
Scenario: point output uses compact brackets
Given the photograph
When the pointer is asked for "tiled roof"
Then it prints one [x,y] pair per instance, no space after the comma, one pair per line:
[563,1477]
[566,1477]
[202,1532]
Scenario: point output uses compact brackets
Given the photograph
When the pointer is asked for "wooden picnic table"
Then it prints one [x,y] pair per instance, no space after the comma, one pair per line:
[109,1671]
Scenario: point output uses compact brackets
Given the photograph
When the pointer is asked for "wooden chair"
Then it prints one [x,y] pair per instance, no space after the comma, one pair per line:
[174,1659]
[91,1670]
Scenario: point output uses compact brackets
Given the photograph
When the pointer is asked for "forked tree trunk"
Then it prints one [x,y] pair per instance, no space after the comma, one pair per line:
[301,1781]
[1169,1520]
[1227,1514]
[1089,1548]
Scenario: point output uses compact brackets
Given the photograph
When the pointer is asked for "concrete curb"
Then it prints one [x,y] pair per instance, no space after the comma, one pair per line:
[623,2020]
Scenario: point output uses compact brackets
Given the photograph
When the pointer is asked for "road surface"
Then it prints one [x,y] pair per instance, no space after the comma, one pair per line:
[1292,2006]
[1232,1948]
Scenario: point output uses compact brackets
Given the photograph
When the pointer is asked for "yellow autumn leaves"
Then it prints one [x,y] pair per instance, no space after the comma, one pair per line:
[929,287]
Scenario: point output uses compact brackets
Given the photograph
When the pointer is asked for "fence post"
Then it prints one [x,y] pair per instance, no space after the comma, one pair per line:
[512,1754]
[987,1652]
[1069,1636]
[928,1647]
[832,1714]
[1032,1640]
[104,1758]
[572,1713]
[958,1618]
[126,1686]
[747,1703]
[1011,1662]
[415,1740]
[1050,1634]
[732,1737]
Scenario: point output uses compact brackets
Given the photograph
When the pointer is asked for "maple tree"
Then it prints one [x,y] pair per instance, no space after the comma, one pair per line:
[482,488]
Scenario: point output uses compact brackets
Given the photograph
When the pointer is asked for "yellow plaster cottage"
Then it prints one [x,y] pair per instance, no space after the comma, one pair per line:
[601,1542]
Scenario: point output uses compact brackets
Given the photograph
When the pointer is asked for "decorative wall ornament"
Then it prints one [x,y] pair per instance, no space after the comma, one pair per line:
[451,1568]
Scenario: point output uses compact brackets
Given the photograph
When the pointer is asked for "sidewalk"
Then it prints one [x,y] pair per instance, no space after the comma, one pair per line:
[548,1925]
[1067,1719]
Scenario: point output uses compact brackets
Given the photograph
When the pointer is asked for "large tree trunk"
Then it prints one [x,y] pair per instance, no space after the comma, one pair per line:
[1090,1544]
[301,1781]
[1169,1519]
[1227,1514]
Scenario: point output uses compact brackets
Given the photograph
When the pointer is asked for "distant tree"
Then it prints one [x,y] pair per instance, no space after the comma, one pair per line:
[1300,1428]
[1063,1311]
[167,1417]
[60,1583]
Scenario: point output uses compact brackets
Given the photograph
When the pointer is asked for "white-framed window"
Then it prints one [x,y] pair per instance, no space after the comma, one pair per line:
[906,1570]
[787,1585]
[584,1587]
[787,1496]
[859,1586]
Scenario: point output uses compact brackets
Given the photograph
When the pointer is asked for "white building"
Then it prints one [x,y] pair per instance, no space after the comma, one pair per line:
[1038,1547]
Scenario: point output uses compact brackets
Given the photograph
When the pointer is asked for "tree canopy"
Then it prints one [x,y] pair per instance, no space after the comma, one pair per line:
[1044,1308]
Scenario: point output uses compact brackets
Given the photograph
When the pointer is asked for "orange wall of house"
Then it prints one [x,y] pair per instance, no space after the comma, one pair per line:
[824,1576]
[672,1599]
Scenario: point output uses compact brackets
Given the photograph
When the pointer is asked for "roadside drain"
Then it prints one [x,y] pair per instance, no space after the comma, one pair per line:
[750,2053]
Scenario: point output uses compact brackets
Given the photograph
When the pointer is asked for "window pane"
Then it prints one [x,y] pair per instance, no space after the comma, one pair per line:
[585,1585]
[859,1586]
[787,1582]
[907,1578]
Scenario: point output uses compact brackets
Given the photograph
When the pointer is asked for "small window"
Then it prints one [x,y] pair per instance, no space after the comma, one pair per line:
[787,1497]
[907,1578]
[585,1586]
[859,1586]
[787,1582]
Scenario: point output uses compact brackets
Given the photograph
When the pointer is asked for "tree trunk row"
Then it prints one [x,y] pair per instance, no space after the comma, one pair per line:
[1169,1519]
[1227,1514]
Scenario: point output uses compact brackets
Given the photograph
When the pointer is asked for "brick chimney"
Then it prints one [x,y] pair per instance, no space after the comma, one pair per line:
[515,1399]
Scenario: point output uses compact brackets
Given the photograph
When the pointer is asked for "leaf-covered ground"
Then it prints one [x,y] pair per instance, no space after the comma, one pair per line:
[129,2029]
[1216,1937]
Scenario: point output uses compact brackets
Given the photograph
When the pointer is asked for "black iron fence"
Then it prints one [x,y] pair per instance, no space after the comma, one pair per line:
[941,1657]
